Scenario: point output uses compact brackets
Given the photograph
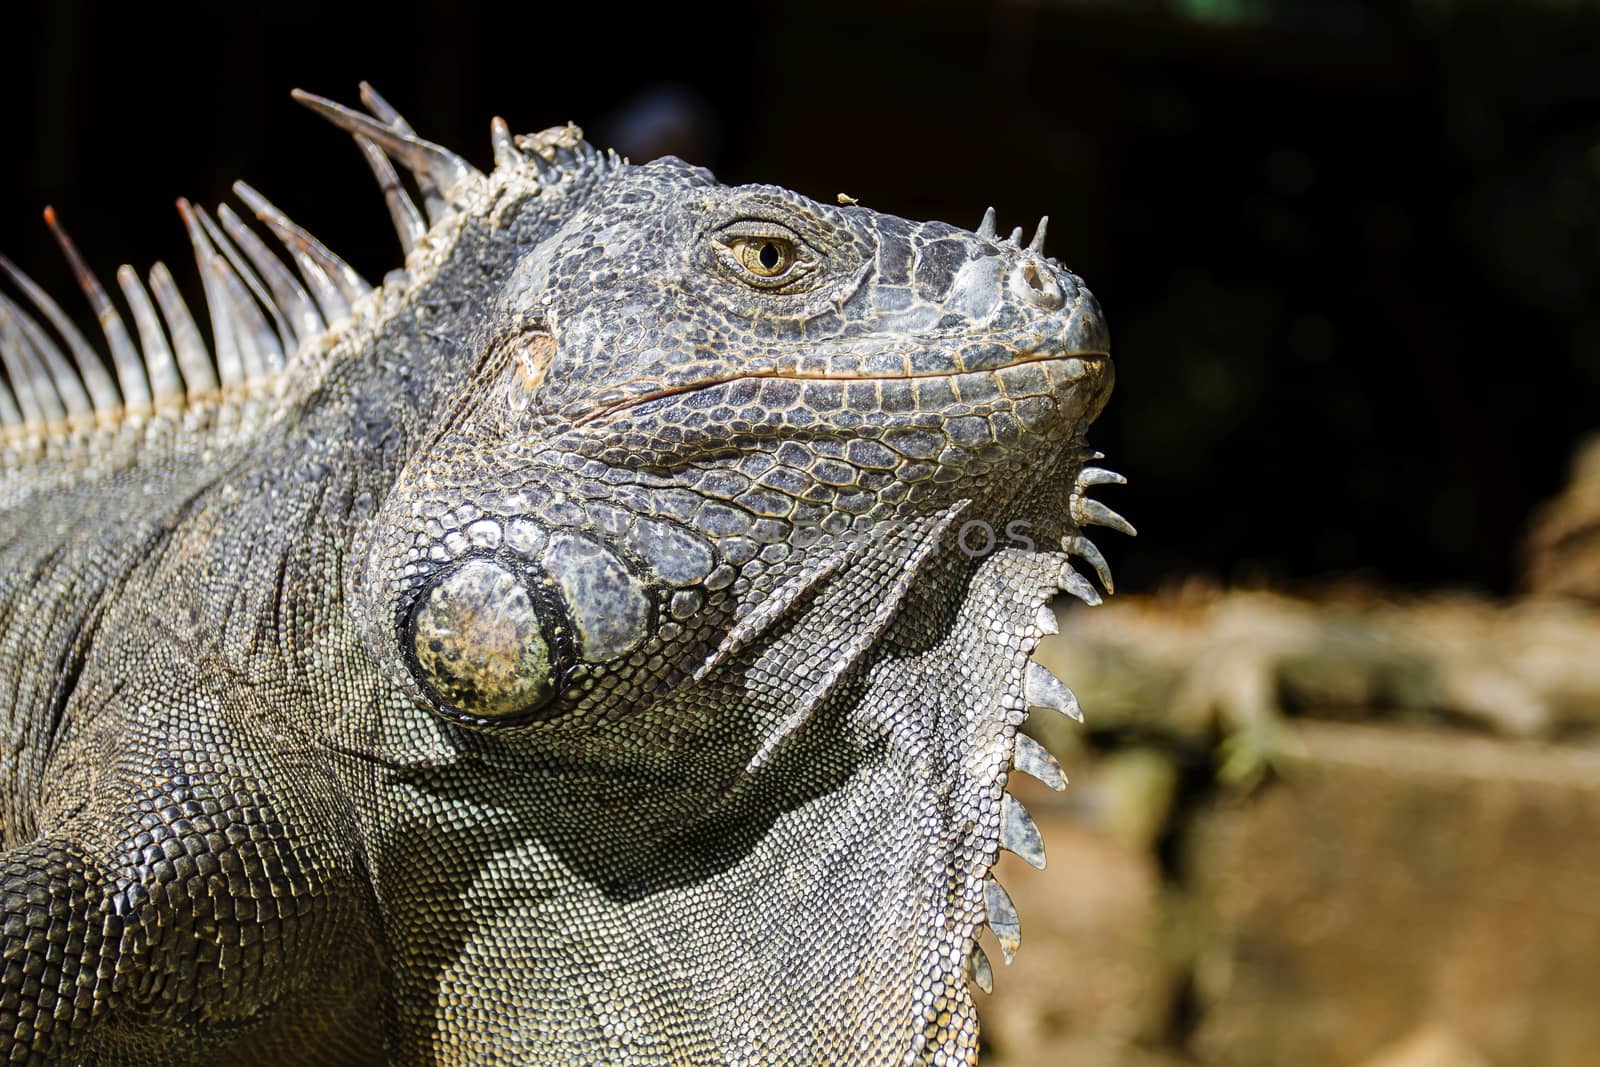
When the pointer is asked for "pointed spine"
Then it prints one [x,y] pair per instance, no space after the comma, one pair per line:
[259,347]
[1032,758]
[1018,834]
[102,390]
[272,342]
[230,361]
[10,415]
[290,297]
[443,167]
[506,155]
[165,385]
[65,380]
[408,224]
[1041,689]
[124,356]
[986,228]
[433,204]
[1076,584]
[352,286]
[194,361]
[1003,919]
[26,382]
[332,297]
[549,173]
[1037,244]
[1093,513]
[1100,476]
[1085,549]
[979,973]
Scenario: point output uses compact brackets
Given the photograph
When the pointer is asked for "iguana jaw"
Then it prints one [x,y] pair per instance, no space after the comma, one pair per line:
[616,407]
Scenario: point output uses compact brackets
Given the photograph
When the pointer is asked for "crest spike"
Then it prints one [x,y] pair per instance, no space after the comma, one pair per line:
[259,351]
[230,361]
[402,212]
[1041,689]
[1032,758]
[199,375]
[165,384]
[443,167]
[505,149]
[124,356]
[1002,917]
[432,203]
[37,396]
[979,973]
[10,415]
[102,390]
[986,228]
[1089,512]
[65,380]
[336,286]
[1084,549]
[288,294]
[271,348]
[1018,834]
[1037,244]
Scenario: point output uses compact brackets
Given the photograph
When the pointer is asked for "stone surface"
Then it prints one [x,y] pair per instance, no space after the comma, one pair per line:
[1087,986]
[1399,892]
[1562,552]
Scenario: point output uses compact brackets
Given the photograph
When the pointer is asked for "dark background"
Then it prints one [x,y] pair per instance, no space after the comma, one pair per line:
[1347,249]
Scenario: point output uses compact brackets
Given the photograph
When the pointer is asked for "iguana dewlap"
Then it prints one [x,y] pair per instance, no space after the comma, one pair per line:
[604,642]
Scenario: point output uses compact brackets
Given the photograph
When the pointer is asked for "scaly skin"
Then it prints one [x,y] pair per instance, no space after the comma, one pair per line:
[591,650]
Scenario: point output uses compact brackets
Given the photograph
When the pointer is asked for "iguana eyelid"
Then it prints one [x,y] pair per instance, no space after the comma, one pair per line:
[805,264]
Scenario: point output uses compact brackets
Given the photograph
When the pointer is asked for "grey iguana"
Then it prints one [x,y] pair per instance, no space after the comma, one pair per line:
[603,642]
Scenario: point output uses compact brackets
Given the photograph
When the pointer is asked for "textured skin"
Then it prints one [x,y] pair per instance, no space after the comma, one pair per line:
[587,652]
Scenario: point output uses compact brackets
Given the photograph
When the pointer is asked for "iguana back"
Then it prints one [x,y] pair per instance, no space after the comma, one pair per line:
[605,641]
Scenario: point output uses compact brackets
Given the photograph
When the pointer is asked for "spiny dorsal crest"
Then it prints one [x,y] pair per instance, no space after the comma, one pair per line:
[261,311]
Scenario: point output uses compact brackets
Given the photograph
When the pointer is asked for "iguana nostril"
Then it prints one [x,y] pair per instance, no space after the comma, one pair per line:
[1039,287]
[479,643]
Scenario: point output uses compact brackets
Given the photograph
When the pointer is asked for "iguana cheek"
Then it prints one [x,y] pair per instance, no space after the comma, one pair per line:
[479,643]
[609,608]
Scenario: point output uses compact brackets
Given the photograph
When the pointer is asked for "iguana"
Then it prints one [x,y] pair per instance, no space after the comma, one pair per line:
[603,642]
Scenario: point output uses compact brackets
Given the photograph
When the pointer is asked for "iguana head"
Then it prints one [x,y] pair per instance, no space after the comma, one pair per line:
[689,394]
[728,549]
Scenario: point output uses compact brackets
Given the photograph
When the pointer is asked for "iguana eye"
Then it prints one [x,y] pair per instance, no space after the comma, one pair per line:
[767,257]
[763,254]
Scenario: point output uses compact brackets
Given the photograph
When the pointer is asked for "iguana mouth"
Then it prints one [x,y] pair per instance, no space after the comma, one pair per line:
[615,407]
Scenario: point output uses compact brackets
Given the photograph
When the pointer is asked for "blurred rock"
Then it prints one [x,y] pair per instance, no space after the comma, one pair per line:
[1089,983]
[1562,551]
[1431,1046]
[1199,660]
[1411,885]
[1402,898]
